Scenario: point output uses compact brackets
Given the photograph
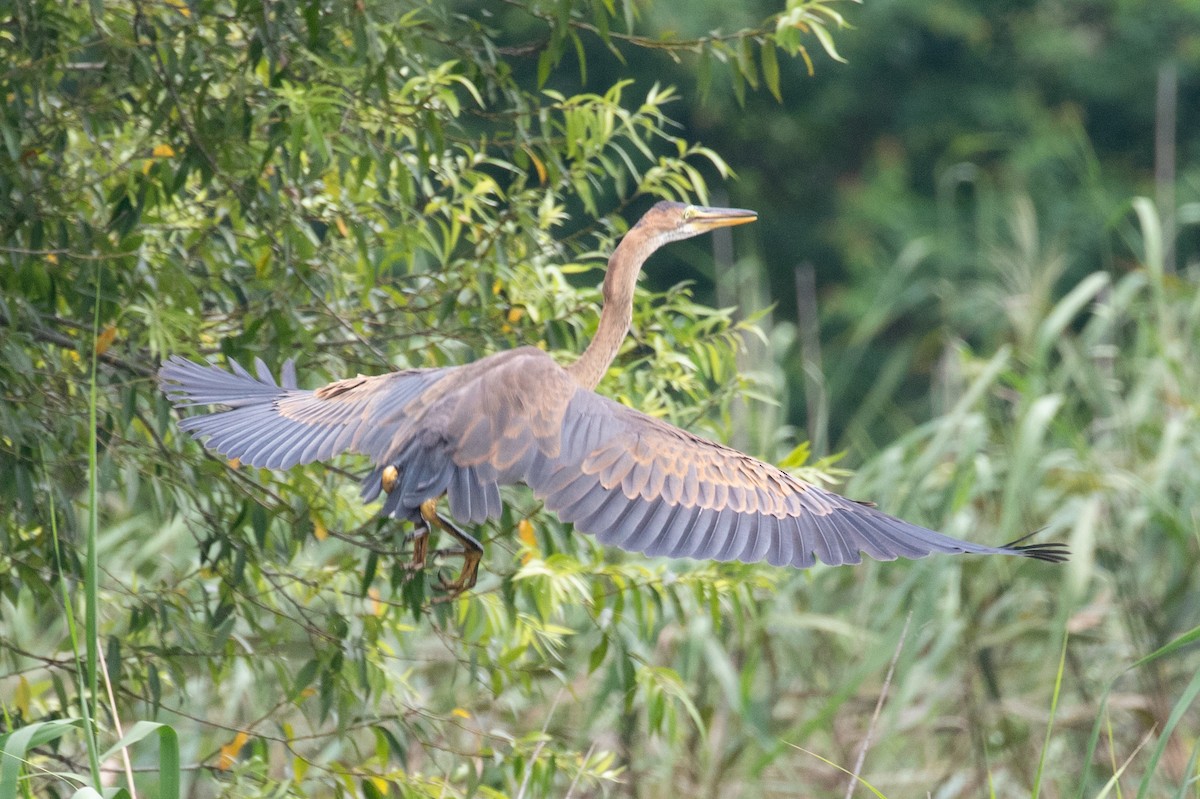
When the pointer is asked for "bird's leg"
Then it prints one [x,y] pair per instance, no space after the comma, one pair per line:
[420,537]
[420,540]
[472,550]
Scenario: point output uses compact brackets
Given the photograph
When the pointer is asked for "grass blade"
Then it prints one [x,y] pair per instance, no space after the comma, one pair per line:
[1062,665]
[16,746]
[1181,707]
[168,754]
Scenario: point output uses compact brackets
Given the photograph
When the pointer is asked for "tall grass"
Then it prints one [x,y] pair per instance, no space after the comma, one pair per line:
[1079,419]
[302,668]
[21,770]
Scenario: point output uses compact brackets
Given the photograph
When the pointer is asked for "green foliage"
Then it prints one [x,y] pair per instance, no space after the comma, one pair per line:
[887,175]
[375,185]
[1079,421]
[379,185]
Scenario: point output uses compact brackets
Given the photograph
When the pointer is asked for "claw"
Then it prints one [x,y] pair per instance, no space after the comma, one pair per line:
[466,578]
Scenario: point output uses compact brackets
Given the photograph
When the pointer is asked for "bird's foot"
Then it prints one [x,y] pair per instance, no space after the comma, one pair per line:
[467,577]
[471,551]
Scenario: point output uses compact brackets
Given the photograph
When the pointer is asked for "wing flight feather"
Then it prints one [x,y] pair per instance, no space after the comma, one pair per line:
[277,425]
[644,485]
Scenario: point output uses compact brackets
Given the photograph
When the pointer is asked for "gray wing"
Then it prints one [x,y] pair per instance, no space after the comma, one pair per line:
[395,419]
[277,425]
[634,481]
[644,485]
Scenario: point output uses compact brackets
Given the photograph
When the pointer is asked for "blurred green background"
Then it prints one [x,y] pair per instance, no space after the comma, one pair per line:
[971,297]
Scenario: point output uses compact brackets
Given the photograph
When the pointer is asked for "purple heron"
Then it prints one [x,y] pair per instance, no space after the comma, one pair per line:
[634,481]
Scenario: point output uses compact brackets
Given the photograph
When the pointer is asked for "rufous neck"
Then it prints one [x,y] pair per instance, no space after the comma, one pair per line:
[617,313]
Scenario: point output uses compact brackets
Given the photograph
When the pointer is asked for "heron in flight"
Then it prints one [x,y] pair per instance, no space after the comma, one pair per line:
[633,481]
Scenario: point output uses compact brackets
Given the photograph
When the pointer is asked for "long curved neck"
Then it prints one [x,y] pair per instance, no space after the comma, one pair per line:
[617,313]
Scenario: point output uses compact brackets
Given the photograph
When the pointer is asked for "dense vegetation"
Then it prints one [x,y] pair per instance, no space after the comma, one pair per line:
[1008,326]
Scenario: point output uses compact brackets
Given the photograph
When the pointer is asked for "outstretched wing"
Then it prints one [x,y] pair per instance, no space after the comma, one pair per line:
[278,425]
[644,485]
[634,481]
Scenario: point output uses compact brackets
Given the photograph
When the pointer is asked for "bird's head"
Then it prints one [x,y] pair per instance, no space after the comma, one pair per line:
[663,223]
[668,221]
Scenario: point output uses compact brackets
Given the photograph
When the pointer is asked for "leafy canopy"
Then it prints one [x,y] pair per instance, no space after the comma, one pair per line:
[364,186]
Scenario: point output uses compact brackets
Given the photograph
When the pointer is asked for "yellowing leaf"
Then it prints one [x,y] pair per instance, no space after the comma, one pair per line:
[341,226]
[460,712]
[515,314]
[105,339]
[538,165]
[320,531]
[496,286]
[163,151]
[23,696]
[525,533]
[51,258]
[229,751]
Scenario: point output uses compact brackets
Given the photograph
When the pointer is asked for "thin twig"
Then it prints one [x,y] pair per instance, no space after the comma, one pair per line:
[116,715]
[65,342]
[537,750]
[670,45]
[575,780]
[887,683]
[344,323]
